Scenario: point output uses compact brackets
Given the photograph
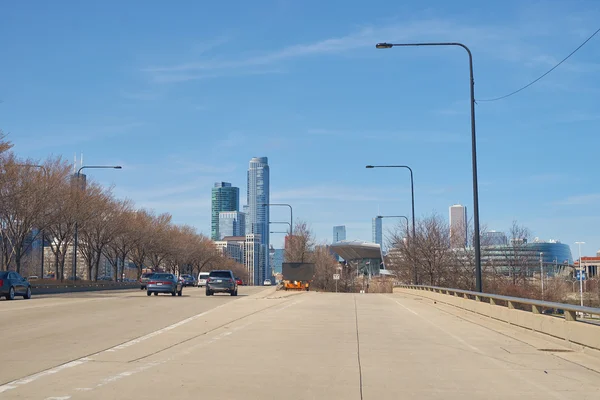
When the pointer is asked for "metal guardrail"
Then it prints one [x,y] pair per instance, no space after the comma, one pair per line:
[68,288]
[570,310]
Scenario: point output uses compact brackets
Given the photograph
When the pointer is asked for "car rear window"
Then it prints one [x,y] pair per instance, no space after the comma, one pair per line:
[147,275]
[220,274]
[162,276]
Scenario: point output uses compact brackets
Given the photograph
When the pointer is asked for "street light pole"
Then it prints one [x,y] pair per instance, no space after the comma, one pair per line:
[580,275]
[76,224]
[542,272]
[291,213]
[412,193]
[476,240]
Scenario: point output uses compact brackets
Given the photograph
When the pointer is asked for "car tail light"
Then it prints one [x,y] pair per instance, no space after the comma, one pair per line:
[152,283]
[1,282]
[208,280]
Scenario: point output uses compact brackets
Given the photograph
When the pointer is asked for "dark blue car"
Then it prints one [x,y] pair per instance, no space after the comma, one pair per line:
[12,284]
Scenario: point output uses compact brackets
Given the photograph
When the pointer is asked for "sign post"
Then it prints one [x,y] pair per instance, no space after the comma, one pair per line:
[336,278]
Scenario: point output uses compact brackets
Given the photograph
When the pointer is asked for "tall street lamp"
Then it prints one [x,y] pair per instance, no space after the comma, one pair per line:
[395,216]
[580,275]
[45,170]
[412,193]
[476,240]
[285,205]
[542,272]
[75,236]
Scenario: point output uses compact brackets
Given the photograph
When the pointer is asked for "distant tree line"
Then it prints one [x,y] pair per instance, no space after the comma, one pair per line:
[40,197]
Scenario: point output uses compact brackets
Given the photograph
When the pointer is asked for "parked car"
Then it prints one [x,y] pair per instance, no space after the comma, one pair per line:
[144,279]
[267,282]
[221,281]
[164,283]
[202,277]
[239,281]
[12,284]
[187,280]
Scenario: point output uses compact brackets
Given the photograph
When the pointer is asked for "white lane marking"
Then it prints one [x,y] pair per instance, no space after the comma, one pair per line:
[31,378]
[147,366]
[158,332]
[55,304]
[184,352]
[402,305]
[28,379]
[58,398]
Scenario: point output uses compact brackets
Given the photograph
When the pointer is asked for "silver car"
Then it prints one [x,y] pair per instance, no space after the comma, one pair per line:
[221,281]
[164,283]
[12,284]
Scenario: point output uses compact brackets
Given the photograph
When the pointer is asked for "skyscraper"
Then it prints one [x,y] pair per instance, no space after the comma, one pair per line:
[224,198]
[231,223]
[377,231]
[257,219]
[339,233]
[458,226]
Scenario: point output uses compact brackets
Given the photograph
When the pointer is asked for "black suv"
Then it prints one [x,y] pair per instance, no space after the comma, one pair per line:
[220,281]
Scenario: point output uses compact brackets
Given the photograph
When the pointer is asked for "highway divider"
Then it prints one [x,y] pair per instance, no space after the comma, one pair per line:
[42,288]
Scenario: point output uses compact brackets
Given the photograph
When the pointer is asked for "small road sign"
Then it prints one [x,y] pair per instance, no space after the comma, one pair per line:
[336,276]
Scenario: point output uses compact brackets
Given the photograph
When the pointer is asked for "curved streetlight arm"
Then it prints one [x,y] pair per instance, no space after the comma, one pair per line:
[291,213]
[395,216]
[476,239]
[98,167]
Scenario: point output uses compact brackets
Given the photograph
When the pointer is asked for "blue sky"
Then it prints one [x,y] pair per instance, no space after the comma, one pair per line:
[184,93]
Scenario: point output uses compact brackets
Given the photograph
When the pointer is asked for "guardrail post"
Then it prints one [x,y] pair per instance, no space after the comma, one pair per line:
[477,298]
[466,296]
[535,309]
[511,305]
[570,315]
[492,301]
[455,294]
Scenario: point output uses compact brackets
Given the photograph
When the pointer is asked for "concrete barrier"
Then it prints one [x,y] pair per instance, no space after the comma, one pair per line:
[568,328]
[90,287]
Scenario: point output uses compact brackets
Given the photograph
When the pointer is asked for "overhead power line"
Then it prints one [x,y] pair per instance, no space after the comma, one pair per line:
[546,73]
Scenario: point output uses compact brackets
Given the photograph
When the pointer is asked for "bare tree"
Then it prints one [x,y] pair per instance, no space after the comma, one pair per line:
[118,248]
[23,207]
[301,245]
[159,240]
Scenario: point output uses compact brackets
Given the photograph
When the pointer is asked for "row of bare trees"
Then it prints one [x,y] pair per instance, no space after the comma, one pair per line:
[45,198]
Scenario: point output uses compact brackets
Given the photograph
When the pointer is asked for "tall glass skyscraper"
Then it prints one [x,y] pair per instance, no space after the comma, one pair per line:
[257,218]
[339,233]
[231,223]
[377,231]
[224,198]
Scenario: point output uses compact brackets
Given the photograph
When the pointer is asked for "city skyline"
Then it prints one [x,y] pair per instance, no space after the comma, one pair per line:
[183,110]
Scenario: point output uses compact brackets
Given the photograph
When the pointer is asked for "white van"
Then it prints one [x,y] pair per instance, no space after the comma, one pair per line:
[202,277]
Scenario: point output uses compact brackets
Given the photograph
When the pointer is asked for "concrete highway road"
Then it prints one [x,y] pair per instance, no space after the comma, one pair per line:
[276,345]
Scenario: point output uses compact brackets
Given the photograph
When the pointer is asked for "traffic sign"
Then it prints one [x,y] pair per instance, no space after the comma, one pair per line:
[336,276]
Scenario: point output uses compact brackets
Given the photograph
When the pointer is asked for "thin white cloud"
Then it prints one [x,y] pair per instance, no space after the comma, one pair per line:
[502,42]
[586,199]
[333,192]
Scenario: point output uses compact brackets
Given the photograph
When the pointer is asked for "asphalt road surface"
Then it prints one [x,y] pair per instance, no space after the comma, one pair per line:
[265,344]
